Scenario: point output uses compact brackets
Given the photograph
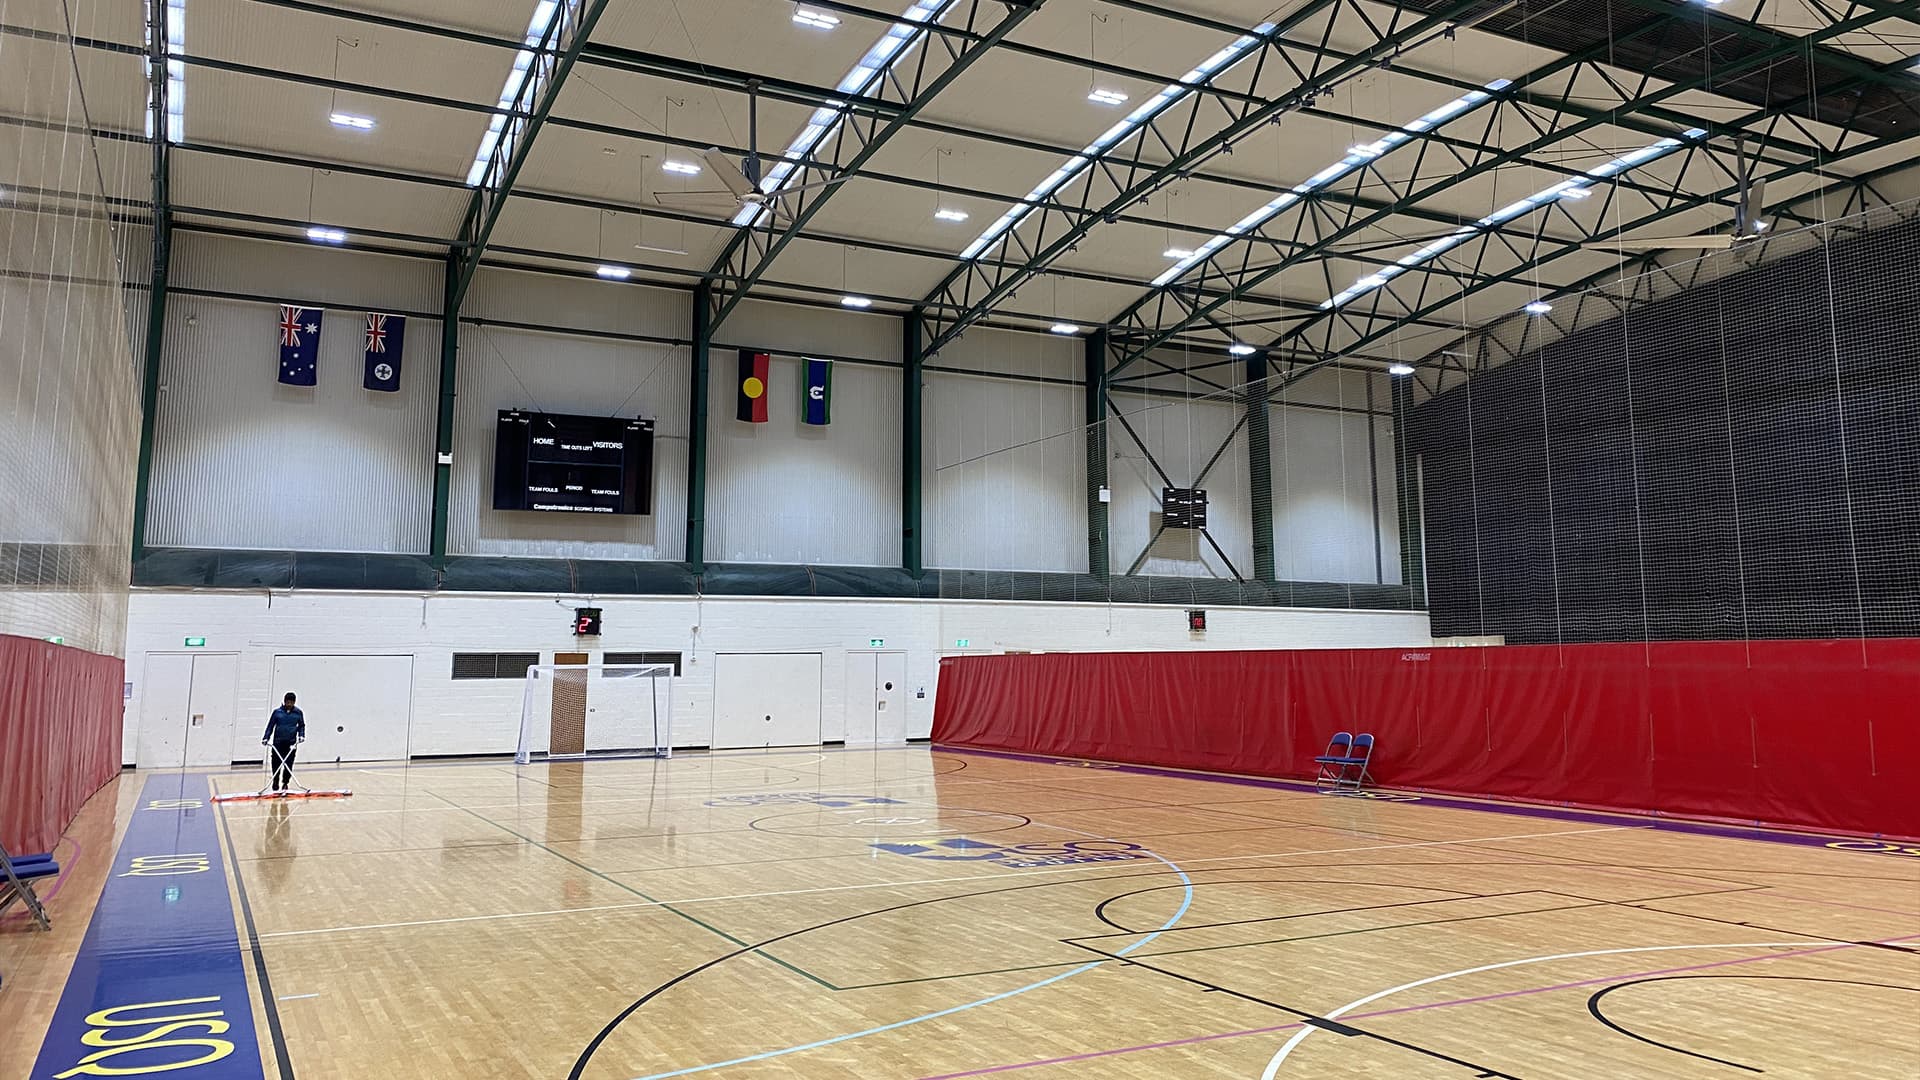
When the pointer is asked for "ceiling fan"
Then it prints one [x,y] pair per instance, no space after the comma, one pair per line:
[1748,220]
[740,184]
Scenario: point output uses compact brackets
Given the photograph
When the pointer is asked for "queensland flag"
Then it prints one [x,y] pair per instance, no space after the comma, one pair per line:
[386,339]
[299,345]
[817,405]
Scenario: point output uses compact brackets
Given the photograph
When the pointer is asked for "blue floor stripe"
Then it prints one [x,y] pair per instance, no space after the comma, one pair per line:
[159,985]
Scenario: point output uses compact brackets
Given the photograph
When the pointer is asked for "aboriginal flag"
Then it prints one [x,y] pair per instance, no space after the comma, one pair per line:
[752,406]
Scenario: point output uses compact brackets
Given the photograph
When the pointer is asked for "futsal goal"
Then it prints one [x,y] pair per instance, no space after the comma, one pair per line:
[573,711]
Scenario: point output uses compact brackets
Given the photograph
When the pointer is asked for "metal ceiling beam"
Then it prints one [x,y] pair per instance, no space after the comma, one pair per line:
[703,74]
[1162,313]
[687,70]
[1478,343]
[849,143]
[1127,168]
[1376,326]
[539,90]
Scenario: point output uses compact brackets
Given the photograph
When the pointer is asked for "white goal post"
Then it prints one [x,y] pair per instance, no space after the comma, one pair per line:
[575,711]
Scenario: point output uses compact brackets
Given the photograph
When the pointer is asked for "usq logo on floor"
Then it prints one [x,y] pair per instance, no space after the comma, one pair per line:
[1020,856]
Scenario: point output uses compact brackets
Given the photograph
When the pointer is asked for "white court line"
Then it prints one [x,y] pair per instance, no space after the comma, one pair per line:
[917,881]
[295,997]
[1280,1057]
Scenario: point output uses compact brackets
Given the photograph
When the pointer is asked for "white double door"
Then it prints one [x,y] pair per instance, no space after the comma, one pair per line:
[876,697]
[188,705]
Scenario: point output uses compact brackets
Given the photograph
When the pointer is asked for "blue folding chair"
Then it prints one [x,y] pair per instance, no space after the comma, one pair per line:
[16,878]
[1344,766]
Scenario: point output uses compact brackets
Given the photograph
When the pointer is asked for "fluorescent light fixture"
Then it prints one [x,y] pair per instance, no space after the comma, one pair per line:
[661,250]
[1177,253]
[1399,369]
[524,59]
[322,235]
[1562,190]
[819,20]
[892,47]
[1356,158]
[1104,96]
[175,14]
[684,168]
[614,273]
[855,302]
[348,120]
[1241,349]
[1065,328]
[1537,307]
[951,215]
[1760,226]
[1226,57]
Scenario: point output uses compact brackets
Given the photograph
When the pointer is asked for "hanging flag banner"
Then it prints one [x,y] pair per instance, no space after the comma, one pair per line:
[752,406]
[816,405]
[299,344]
[386,339]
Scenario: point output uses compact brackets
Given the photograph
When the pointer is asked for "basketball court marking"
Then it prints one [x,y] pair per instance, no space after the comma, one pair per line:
[587,1054]
[1280,1057]
[892,884]
[1304,1026]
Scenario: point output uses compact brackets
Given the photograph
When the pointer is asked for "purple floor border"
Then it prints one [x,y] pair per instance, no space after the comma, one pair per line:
[1532,810]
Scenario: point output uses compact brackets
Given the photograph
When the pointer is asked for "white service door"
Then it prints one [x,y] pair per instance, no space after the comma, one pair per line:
[166,695]
[358,708]
[862,721]
[211,716]
[766,699]
[890,698]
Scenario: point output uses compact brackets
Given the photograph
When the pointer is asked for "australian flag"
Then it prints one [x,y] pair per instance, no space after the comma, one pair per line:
[299,345]
[386,338]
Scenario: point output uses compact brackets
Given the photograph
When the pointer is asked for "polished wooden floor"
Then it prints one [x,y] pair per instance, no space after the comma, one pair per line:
[916,913]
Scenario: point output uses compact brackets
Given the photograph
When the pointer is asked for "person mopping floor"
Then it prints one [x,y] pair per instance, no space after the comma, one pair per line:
[286,730]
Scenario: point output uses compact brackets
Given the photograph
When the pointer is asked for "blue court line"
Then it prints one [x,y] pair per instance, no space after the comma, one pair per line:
[1186,902]
[159,985]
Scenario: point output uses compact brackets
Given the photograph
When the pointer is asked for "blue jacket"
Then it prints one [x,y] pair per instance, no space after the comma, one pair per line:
[286,724]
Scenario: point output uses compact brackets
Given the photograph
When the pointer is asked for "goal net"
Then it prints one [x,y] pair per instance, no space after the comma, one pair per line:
[582,710]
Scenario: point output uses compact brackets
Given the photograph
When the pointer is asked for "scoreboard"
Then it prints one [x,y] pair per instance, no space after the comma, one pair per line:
[578,464]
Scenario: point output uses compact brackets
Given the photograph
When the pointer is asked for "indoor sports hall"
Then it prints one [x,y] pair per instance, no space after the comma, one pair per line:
[944,539]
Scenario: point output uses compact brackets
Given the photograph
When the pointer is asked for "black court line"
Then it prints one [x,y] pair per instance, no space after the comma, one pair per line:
[1304,1016]
[1100,912]
[1593,1006]
[274,1030]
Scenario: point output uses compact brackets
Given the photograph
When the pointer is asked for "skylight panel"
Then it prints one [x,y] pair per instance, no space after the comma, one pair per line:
[523,61]
[1356,158]
[1146,111]
[1576,188]
[175,14]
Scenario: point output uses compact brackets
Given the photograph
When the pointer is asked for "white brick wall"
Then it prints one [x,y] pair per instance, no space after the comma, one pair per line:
[482,716]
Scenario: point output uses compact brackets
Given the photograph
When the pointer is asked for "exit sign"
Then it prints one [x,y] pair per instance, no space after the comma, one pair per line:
[961,643]
[876,643]
[195,643]
[57,640]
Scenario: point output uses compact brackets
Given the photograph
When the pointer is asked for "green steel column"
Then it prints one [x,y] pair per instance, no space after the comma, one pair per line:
[150,386]
[1260,467]
[1406,486]
[1096,410]
[912,434]
[699,390]
[443,426]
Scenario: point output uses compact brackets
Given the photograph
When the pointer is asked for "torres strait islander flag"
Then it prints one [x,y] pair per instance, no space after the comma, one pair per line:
[752,406]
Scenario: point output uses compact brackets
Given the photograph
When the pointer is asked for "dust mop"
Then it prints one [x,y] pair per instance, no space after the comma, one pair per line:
[294,789]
